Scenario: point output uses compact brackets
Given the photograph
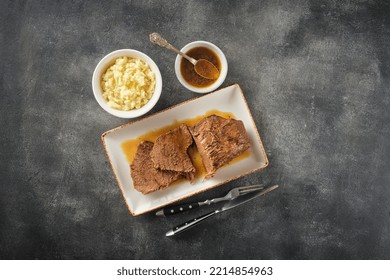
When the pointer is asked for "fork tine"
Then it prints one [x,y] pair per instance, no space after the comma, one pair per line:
[248,189]
[251,187]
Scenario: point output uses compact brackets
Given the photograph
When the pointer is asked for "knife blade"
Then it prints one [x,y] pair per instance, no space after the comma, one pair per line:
[228,205]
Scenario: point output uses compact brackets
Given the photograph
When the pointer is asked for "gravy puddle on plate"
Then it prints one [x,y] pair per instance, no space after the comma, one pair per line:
[129,147]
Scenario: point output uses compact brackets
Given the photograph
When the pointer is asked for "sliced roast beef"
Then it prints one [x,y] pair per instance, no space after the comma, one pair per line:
[170,152]
[219,140]
[146,177]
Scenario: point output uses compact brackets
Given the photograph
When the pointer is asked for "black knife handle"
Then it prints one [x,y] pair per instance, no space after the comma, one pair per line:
[190,223]
[172,210]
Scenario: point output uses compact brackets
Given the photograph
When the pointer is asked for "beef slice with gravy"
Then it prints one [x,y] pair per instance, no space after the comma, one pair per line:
[146,177]
[170,152]
[219,140]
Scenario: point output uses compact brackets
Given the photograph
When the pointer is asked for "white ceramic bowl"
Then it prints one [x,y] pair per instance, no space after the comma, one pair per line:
[222,58]
[109,60]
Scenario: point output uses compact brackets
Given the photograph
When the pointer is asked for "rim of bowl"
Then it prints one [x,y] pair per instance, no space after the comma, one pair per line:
[107,61]
[224,66]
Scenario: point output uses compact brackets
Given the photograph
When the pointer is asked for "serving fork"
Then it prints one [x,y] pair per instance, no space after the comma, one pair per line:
[234,193]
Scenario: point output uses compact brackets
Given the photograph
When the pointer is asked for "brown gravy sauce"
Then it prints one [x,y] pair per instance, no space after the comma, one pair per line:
[129,147]
[187,69]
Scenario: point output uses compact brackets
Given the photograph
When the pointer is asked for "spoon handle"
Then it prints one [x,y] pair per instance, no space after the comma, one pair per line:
[157,39]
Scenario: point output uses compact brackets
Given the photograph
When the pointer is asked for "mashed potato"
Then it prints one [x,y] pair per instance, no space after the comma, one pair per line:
[128,84]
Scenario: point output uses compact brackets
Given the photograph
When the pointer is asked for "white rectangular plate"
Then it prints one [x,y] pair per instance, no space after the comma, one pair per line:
[229,99]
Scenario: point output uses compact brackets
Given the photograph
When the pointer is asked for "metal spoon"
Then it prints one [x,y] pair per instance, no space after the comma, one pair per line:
[202,67]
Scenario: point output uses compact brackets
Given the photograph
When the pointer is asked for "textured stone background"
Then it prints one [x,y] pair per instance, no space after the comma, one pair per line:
[317,78]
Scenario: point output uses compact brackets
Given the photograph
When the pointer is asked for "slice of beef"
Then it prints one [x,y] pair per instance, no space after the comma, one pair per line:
[170,152]
[146,177]
[219,140]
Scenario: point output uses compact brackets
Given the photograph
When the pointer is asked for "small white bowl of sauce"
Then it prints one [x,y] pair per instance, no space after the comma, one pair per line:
[186,74]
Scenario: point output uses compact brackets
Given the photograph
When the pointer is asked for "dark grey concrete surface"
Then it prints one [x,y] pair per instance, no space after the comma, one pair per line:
[316,75]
